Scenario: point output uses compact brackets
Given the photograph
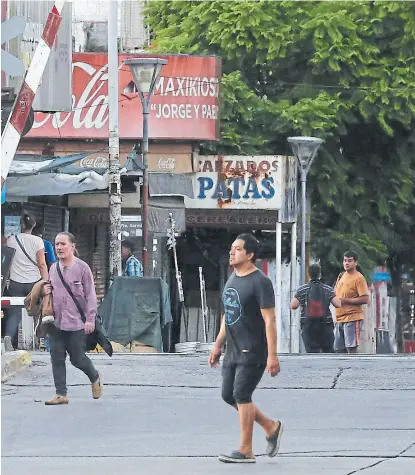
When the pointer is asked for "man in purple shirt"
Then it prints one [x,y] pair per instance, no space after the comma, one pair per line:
[68,333]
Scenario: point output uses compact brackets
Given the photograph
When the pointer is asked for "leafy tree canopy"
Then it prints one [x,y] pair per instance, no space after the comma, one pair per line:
[342,71]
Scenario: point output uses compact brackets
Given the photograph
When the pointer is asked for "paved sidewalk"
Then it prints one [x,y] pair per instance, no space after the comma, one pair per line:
[163,415]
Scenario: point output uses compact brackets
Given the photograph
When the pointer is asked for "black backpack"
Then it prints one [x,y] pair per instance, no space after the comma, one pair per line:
[316,305]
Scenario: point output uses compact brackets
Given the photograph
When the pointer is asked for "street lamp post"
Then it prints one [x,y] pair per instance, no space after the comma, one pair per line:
[145,72]
[305,149]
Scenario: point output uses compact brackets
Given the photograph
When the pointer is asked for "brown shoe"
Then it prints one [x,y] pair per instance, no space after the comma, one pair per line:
[57,400]
[97,387]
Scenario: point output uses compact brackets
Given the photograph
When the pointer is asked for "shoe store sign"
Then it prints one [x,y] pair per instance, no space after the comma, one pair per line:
[238,182]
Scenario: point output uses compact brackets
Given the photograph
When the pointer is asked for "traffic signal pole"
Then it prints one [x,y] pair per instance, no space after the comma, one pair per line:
[15,125]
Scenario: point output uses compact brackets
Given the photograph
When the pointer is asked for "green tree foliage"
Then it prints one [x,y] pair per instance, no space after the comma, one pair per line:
[342,71]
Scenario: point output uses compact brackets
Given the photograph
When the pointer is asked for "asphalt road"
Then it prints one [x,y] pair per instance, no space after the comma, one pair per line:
[162,414]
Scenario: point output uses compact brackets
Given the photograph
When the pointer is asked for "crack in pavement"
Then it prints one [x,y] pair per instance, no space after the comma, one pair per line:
[336,378]
[406,450]
[368,466]
[384,459]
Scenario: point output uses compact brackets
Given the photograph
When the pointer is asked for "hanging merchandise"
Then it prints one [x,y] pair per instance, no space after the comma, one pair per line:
[171,244]
[204,303]
[188,347]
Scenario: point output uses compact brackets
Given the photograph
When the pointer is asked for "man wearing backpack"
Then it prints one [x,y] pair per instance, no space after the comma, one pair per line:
[316,320]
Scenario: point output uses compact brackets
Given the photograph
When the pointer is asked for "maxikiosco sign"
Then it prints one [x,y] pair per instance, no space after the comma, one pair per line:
[238,182]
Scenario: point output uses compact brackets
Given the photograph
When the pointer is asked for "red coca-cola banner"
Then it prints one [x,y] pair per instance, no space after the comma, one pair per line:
[185,104]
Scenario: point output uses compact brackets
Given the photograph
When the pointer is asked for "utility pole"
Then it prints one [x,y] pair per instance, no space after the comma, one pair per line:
[305,149]
[145,191]
[281,330]
[145,72]
[114,179]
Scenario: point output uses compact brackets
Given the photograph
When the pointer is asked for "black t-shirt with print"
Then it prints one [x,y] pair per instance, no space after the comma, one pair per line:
[243,298]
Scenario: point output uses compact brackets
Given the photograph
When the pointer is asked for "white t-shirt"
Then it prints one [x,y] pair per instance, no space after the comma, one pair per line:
[22,270]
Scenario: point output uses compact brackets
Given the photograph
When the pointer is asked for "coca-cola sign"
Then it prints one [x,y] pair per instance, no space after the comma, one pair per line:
[185,104]
[181,163]
[94,162]
[167,163]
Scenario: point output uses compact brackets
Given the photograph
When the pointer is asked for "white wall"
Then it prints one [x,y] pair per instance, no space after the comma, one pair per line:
[131,28]
[90,10]
[290,320]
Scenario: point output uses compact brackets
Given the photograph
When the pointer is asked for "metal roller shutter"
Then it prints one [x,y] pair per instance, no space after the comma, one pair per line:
[36,209]
[84,243]
[52,218]
[53,222]
[91,243]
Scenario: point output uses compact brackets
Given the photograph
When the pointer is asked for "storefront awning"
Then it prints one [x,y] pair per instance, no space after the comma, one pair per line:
[167,192]
[171,184]
[27,164]
[160,208]
[37,175]
[55,184]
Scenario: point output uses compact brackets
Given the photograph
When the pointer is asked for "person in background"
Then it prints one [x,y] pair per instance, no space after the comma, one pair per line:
[49,251]
[351,287]
[131,266]
[317,326]
[28,266]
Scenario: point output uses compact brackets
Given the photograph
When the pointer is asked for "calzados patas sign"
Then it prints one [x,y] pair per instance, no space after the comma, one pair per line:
[185,104]
[238,182]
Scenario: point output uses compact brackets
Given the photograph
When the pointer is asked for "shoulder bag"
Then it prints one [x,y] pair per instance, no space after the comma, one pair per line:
[98,336]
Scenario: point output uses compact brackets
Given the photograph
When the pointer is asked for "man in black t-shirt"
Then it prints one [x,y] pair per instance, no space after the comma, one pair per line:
[251,337]
[317,332]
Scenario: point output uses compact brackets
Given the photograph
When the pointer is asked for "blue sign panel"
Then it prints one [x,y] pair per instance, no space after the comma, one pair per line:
[3,194]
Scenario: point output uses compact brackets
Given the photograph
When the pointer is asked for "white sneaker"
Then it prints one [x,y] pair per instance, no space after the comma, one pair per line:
[48,319]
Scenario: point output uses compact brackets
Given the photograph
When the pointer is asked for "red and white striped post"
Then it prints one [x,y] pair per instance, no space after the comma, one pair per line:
[24,100]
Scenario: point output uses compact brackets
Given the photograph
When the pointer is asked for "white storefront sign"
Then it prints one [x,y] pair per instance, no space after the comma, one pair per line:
[238,182]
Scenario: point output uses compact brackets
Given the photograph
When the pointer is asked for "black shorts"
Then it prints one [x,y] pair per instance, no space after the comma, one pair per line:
[239,381]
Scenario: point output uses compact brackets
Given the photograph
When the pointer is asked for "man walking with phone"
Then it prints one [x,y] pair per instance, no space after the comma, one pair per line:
[251,336]
[72,286]
[316,321]
[351,287]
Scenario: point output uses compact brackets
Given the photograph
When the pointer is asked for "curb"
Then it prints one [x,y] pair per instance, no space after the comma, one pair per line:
[13,362]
